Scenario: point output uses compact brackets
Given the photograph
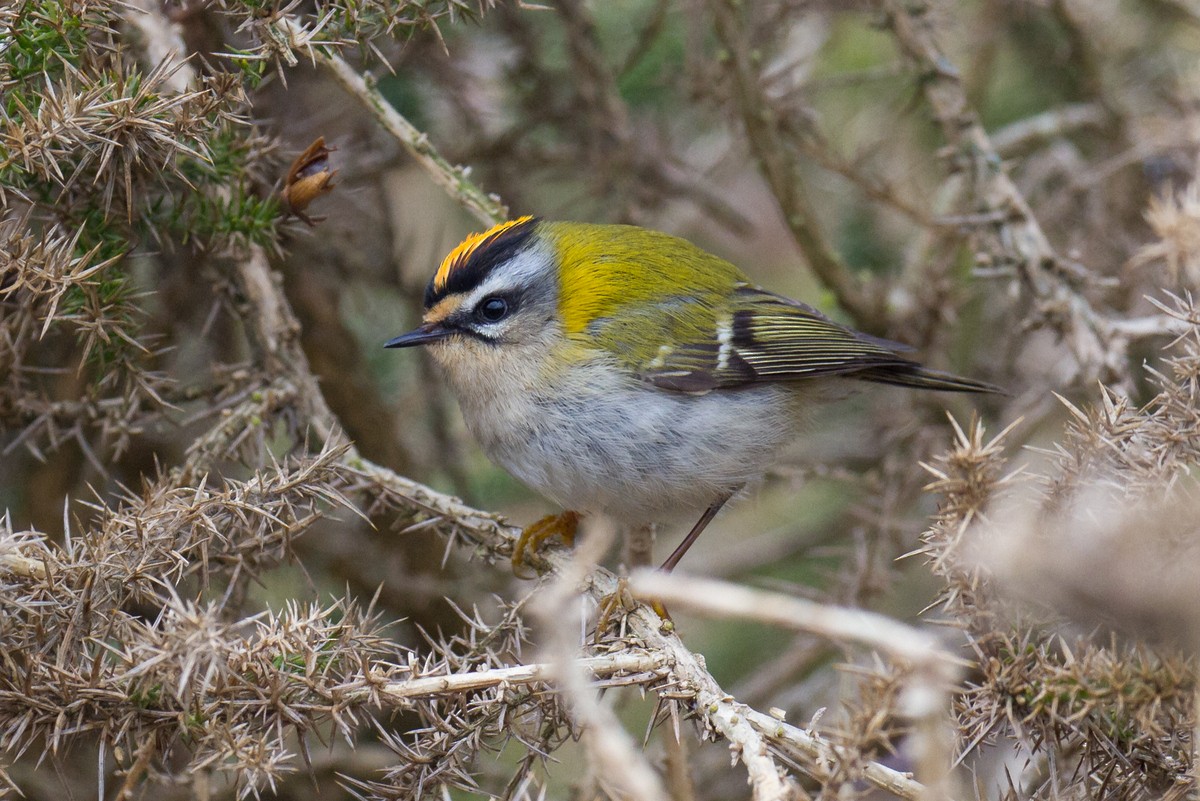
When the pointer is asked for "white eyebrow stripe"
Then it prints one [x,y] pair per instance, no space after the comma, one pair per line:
[518,272]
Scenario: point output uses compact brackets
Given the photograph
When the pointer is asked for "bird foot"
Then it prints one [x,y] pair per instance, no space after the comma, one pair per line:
[562,526]
[620,602]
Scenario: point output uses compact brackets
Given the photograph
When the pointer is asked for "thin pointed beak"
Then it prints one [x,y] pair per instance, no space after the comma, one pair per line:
[429,332]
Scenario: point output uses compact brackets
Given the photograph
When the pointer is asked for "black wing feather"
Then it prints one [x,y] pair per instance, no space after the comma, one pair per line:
[773,338]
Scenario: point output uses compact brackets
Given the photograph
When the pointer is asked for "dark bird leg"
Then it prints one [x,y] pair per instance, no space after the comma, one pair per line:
[694,534]
[609,604]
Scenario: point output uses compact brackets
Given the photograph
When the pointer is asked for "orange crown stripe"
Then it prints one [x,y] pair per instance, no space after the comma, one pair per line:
[459,256]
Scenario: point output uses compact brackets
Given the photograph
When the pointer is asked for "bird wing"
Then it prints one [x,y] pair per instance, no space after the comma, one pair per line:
[761,337]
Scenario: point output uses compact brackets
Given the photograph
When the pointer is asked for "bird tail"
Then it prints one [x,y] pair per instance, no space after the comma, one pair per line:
[919,377]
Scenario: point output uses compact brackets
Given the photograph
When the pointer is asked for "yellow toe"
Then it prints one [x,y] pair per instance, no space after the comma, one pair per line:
[614,606]
[533,536]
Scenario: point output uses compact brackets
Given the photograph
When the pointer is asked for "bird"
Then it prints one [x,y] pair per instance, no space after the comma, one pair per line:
[622,371]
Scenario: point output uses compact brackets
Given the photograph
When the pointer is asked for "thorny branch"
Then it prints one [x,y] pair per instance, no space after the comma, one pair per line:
[1098,342]
[747,731]
[132,628]
[400,692]
[934,671]
[618,762]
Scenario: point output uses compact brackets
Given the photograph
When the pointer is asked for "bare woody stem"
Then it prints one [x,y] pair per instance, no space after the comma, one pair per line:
[933,670]
[1099,346]
[752,732]
[486,208]
[401,692]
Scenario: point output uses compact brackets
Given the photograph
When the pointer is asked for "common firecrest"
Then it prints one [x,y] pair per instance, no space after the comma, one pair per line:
[623,371]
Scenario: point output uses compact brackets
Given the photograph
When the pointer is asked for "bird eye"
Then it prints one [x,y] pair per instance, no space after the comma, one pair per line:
[493,309]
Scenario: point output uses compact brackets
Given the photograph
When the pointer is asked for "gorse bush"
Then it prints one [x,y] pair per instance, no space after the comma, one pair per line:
[233,558]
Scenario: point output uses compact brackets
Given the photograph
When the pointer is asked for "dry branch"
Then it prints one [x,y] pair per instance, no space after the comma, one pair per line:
[135,638]
[1056,283]
[598,666]
[934,671]
[455,180]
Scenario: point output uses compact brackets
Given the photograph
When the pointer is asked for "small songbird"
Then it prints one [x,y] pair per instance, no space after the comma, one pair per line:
[624,371]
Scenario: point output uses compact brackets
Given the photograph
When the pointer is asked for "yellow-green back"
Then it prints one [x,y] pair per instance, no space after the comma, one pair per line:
[630,289]
[683,319]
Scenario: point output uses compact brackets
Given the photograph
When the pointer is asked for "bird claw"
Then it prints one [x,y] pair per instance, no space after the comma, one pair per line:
[622,600]
[530,542]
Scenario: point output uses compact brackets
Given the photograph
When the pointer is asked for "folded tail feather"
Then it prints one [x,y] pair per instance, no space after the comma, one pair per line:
[922,378]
